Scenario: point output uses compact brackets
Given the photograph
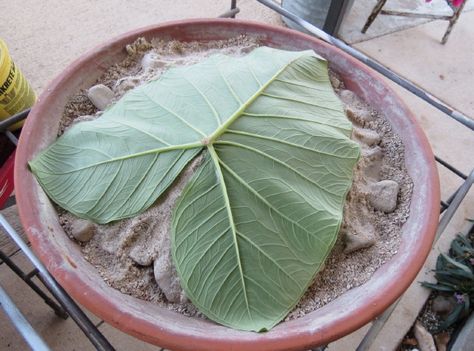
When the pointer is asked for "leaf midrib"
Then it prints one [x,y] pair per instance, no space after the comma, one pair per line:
[233,229]
[223,128]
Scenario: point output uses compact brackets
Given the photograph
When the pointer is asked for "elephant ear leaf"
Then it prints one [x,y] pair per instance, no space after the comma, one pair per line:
[262,212]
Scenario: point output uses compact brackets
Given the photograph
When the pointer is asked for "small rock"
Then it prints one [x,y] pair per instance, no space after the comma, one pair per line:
[82,230]
[383,195]
[125,84]
[443,305]
[358,116]
[366,136]
[410,342]
[442,341]
[167,278]
[371,164]
[142,257]
[359,240]
[425,339]
[348,96]
[152,61]
[138,46]
[373,154]
[354,109]
[335,82]
[100,95]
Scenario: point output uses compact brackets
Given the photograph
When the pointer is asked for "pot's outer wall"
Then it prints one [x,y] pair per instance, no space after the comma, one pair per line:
[172,330]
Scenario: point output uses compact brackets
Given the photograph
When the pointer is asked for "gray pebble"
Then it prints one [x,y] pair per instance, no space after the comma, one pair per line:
[443,305]
[167,279]
[358,116]
[372,163]
[142,256]
[100,95]
[355,112]
[383,195]
[82,230]
[361,240]
[424,338]
[366,136]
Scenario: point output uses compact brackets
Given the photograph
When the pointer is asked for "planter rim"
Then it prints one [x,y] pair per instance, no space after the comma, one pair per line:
[175,332]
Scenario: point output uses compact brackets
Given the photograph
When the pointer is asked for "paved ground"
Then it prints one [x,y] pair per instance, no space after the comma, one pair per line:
[45,36]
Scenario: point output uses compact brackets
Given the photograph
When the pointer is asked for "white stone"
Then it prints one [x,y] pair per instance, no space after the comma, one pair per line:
[366,136]
[100,95]
[354,109]
[82,230]
[383,195]
[167,278]
[362,239]
[424,338]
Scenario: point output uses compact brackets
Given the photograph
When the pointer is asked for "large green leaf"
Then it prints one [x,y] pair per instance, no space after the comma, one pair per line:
[262,212]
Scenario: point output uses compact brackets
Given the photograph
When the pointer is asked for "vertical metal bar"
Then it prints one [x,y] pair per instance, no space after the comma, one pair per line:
[334,16]
[233,6]
[452,21]
[89,329]
[411,87]
[34,341]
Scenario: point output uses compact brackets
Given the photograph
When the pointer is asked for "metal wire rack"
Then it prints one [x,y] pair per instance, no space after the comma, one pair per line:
[63,305]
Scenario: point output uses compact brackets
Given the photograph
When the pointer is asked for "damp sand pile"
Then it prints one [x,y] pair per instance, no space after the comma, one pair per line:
[133,255]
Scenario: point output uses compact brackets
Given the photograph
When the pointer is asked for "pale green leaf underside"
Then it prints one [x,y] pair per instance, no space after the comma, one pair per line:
[262,212]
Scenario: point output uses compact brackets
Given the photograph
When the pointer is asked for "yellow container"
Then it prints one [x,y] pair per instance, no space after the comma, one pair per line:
[16,93]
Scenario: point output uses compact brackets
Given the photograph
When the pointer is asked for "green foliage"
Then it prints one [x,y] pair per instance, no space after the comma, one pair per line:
[261,213]
[455,276]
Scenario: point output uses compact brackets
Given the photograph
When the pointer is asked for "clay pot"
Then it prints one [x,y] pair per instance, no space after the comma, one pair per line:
[166,328]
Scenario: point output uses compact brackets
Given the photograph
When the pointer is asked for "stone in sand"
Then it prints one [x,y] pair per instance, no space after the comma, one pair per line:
[443,305]
[354,110]
[100,95]
[371,163]
[366,136]
[359,239]
[167,278]
[383,195]
[424,338]
[442,340]
[82,230]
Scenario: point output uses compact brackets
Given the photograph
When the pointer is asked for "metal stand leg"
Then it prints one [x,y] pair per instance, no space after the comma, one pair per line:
[58,310]
[452,22]
[375,12]
[34,341]
[82,321]
[232,12]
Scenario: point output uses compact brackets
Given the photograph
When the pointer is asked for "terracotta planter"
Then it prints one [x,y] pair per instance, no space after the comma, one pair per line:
[169,329]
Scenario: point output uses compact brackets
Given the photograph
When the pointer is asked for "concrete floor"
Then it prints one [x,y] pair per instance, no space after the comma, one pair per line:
[45,36]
